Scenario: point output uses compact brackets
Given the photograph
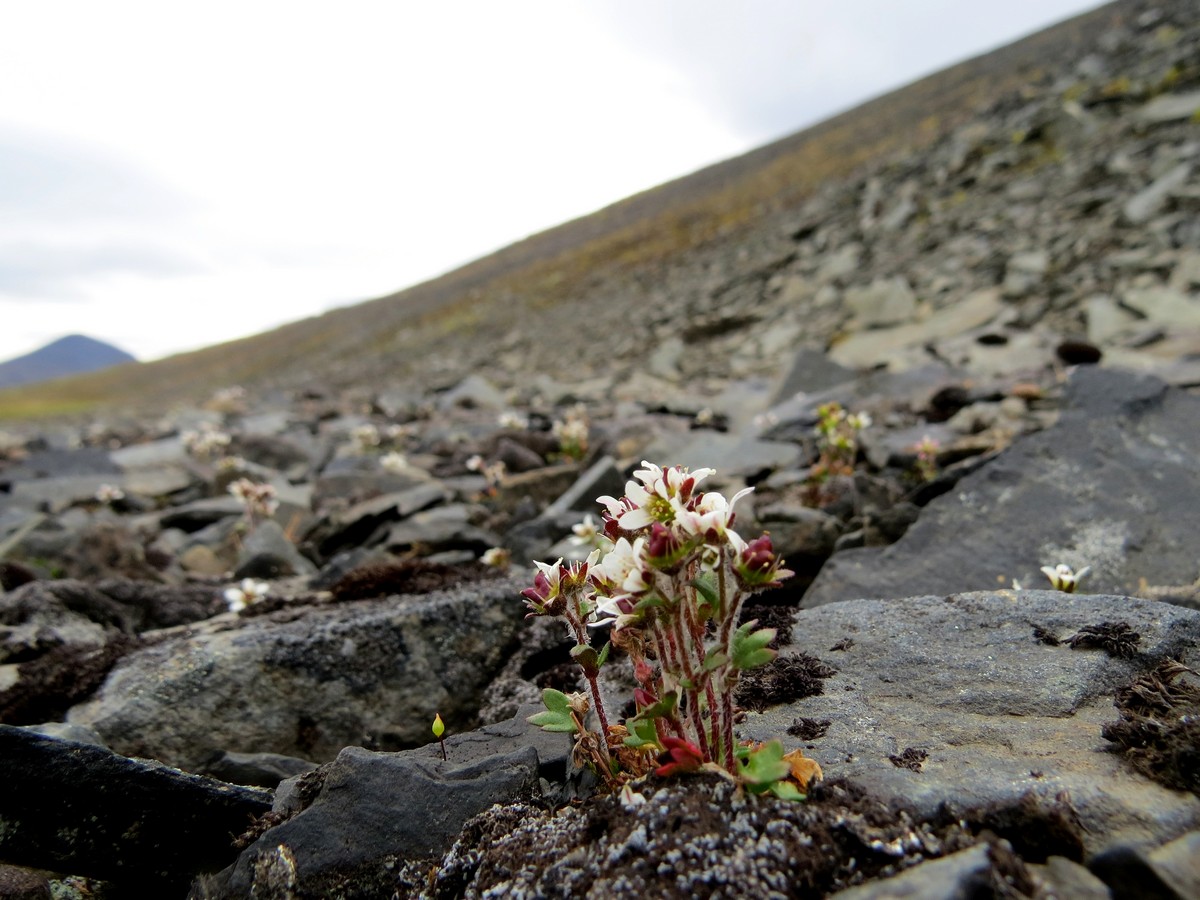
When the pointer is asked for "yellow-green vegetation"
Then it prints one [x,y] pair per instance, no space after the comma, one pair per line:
[637,235]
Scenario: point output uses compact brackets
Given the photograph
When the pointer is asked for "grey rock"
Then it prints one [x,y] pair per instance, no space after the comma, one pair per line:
[376,809]
[1078,493]
[255,769]
[266,547]
[601,478]
[1144,205]
[811,371]
[1164,306]
[1170,108]
[895,345]
[966,873]
[64,464]
[357,524]
[474,392]
[81,809]
[442,528]
[42,616]
[883,302]
[999,713]
[309,681]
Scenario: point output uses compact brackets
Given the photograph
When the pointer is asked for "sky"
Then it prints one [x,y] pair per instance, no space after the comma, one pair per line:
[177,175]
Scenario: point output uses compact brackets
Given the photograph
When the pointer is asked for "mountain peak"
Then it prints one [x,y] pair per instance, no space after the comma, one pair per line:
[73,354]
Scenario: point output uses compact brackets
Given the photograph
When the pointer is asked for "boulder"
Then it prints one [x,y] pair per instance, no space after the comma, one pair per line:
[307,681]
[145,828]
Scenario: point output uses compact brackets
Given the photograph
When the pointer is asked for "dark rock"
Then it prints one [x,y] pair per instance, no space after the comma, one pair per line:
[22,884]
[255,769]
[601,478]
[1076,493]
[811,371]
[310,680]
[375,810]
[84,810]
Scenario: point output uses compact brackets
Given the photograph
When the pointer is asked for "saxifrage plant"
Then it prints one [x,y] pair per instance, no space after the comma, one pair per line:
[671,583]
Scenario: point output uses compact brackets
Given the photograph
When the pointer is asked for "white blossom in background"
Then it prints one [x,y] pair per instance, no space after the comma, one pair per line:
[394,462]
[205,443]
[496,556]
[365,438]
[247,593]
[259,499]
[109,493]
[511,420]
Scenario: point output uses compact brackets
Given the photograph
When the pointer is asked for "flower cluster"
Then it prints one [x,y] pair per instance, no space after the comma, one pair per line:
[205,444]
[109,494]
[258,499]
[671,586]
[572,433]
[926,450]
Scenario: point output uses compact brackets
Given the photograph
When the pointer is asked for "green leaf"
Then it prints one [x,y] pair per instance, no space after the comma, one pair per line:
[604,655]
[642,733]
[706,587]
[764,766]
[664,707]
[587,657]
[714,659]
[750,649]
[557,717]
[785,790]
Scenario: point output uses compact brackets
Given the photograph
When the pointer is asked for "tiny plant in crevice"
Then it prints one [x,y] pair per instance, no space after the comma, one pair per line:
[572,432]
[258,500]
[925,466]
[837,446]
[671,584]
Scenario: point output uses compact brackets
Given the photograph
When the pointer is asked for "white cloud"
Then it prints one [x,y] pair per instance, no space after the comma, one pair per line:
[203,172]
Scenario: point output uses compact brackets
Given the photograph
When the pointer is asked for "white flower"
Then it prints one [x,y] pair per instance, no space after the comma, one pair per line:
[1063,578]
[496,556]
[246,593]
[109,493]
[859,421]
[712,516]
[509,419]
[394,462]
[585,533]
[622,571]
[475,463]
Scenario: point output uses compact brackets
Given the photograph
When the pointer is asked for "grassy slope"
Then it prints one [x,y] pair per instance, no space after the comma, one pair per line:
[714,204]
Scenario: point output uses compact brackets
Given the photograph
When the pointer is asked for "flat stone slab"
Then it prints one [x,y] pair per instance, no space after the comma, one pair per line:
[1114,485]
[998,713]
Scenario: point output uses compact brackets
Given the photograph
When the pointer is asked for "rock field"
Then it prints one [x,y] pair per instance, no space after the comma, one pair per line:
[212,688]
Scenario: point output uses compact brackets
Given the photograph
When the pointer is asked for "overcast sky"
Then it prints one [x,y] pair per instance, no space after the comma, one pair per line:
[174,176]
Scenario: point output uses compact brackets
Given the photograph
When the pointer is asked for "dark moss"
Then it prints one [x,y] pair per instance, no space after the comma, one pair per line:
[911,759]
[783,680]
[1114,638]
[1158,732]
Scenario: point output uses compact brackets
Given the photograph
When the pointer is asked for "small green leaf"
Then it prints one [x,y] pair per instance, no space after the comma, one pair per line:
[587,657]
[763,766]
[785,790]
[706,587]
[557,717]
[642,733]
[714,659]
[664,707]
[750,649]
[604,655]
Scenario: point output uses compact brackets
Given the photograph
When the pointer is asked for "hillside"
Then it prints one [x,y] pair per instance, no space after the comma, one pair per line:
[619,257]
[71,355]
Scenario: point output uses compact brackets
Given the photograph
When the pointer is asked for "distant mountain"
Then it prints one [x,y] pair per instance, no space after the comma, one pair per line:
[71,355]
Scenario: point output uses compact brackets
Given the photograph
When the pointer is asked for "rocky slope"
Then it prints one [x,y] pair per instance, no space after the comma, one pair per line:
[1016,310]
